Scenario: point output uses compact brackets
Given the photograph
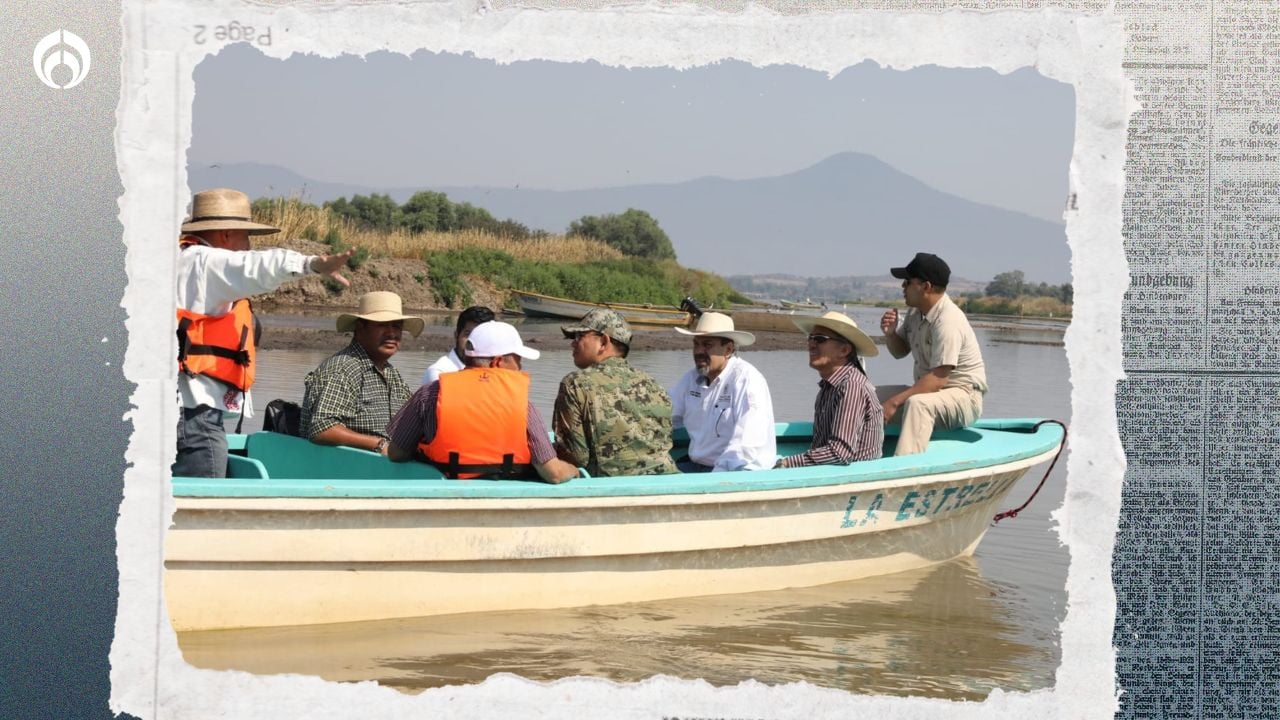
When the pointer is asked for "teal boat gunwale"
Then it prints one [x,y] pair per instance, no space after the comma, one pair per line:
[986,444]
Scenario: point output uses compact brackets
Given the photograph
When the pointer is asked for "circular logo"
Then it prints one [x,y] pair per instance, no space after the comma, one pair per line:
[61,49]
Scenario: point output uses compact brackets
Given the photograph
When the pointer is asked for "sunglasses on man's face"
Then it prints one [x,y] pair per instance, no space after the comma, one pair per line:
[584,333]
[819,339]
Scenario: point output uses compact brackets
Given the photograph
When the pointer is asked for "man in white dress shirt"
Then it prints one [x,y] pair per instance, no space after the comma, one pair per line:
[723,402]
[452,361]
[217,273]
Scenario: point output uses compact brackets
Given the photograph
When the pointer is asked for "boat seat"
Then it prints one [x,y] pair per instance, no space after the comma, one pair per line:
[286,456]
[243,467]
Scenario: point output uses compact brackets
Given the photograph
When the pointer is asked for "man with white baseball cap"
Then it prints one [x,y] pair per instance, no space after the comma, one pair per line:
[478,421]
[723,402]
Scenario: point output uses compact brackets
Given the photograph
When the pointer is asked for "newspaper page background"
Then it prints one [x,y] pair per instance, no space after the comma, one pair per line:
[1195,561]
[1166,52]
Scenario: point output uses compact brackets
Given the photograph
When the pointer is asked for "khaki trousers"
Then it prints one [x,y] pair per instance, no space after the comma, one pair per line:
[947,408]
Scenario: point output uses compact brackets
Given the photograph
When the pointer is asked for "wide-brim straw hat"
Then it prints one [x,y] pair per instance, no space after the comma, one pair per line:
[224,209]
[845,327]
[380,306]
[714,324]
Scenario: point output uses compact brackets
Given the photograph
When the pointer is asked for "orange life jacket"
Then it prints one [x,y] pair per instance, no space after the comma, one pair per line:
[482,417]
[221,347]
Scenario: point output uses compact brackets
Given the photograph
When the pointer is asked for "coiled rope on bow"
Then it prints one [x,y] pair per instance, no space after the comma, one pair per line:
[1014,512]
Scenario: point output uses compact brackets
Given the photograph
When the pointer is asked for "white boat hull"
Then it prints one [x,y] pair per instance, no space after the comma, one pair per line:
[251,562]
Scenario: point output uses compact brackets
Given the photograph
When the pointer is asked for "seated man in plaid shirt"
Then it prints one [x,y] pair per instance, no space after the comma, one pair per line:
[354,393]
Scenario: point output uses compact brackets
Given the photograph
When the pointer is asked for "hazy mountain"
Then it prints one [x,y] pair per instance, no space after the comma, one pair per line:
[850,214]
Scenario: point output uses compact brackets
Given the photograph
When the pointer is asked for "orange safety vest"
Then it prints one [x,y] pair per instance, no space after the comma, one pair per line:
[221,347]
[482,417]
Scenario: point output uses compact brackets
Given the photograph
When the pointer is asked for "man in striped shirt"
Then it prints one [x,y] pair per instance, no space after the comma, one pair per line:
[848,421]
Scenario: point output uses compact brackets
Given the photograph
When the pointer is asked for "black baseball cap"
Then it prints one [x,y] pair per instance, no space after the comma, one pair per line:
[924,266]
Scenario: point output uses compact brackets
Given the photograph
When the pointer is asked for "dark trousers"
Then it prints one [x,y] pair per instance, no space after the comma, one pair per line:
[685,465]
[202,444]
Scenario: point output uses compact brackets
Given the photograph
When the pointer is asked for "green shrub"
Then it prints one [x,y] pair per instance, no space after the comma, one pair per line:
[625,280]
[334,240]
[634,232]
[358,257]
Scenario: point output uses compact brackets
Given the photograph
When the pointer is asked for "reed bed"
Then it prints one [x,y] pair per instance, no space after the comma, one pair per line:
[300,220]
[1025,306]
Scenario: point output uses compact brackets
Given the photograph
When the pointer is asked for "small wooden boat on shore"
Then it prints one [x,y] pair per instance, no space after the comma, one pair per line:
[763,320]
[807,304]
[535,305]
[301,534]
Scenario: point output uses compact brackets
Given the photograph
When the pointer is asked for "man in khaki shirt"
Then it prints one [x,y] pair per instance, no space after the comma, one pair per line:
[950,379]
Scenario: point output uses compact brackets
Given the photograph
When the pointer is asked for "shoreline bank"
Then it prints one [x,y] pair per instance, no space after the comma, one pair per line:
[300,331]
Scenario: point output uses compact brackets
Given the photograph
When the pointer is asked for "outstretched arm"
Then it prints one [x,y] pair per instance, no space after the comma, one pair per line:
[331,264]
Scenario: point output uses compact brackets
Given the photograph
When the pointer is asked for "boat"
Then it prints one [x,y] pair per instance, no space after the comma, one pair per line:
[763,320]
[536,305]
[796,305]
[302,534]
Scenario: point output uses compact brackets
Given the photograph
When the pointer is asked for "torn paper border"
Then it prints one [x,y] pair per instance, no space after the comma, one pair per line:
[148,676]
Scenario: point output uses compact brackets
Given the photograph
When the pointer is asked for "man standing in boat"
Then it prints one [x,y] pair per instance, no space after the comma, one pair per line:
[610,418]
[217,332]
[478,421]
[351,397]
[950,378]
[454,360]
[723,402]
[847,422]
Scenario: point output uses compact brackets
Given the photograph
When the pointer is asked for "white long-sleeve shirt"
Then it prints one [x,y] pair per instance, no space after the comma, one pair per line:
[211,279]
[446,364]
[730,421]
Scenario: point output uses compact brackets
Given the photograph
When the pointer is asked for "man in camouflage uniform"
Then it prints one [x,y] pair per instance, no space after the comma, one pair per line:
[610,418]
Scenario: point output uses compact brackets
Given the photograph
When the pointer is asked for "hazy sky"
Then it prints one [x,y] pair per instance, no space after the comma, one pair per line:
[438,120]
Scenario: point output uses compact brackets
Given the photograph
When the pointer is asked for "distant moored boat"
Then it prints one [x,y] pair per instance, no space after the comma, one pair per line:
[794,305]
[536,305]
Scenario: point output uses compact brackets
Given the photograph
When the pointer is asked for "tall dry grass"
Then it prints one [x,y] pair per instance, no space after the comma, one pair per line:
[1025,305]
[296,220]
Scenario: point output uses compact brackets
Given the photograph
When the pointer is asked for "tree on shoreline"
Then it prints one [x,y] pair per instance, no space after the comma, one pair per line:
[634,233]
[1013,285]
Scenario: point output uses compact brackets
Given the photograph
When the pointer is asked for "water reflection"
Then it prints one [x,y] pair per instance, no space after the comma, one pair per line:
[938,632]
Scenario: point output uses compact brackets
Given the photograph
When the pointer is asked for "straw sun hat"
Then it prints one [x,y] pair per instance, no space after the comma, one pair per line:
[719,325]
[845,327]
[223,209]
[380,306]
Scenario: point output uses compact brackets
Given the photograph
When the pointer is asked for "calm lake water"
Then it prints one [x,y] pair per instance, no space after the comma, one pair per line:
[956,631]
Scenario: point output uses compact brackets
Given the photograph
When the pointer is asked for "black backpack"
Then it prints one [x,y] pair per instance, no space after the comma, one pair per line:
[284,417]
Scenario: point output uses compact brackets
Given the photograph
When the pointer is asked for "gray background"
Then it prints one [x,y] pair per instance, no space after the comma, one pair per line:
[62,439]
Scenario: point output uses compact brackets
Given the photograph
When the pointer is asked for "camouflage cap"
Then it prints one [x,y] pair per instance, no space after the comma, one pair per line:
[602,320]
